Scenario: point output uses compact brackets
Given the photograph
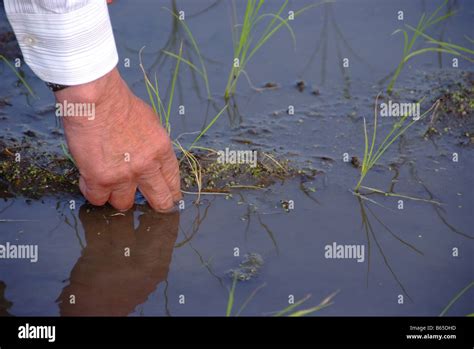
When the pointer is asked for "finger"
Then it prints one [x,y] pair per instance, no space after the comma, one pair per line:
[170,171]
[123,197]
[97,196]
[156,191]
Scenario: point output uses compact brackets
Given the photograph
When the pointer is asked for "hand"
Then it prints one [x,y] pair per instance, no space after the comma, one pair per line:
[121,148]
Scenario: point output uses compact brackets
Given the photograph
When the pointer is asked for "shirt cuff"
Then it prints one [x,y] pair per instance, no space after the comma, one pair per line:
[67,48]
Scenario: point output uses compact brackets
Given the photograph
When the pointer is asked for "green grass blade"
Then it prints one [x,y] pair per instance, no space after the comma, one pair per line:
[442,43]
[161,106]
[173,85]
[419,27]
[301,313]
[183,60]
[249,298]
[400,195]
[374,135]
[429,49]
[293,306]
[230,302]
[283,21]
[23,81]
[151,98]
[405,40]
[208,126]
[402,131]
[149,86]
[67,153]
[365,160]
[440,19]
[325,303]
[435,12]
[398,125]
[272,22]
[266,37]
[245,30]
[456,297]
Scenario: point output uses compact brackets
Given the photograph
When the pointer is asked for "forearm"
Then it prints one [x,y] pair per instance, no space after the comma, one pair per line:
[64,42]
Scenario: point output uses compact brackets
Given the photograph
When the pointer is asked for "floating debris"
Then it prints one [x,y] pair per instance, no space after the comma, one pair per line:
[315,92]
[271,85]
[248,268]
[285,205]
[355,162]
[300,85]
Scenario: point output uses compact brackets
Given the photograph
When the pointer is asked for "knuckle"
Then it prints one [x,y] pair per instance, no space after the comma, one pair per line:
[107,178]
[164,148]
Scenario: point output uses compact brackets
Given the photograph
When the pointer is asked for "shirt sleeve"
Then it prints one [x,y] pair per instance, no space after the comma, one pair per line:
[67,42]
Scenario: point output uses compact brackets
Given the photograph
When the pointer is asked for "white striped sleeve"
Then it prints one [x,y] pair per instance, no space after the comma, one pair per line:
[67,42]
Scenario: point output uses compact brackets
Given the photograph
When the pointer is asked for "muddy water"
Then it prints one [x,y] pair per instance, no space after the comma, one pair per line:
[408,254]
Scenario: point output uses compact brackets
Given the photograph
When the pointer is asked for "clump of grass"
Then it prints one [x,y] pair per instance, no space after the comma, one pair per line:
[288,311]
[244,44]
[372,155]
[420,31]
[18,75]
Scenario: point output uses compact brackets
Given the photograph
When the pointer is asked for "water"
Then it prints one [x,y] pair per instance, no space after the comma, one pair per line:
[143,263]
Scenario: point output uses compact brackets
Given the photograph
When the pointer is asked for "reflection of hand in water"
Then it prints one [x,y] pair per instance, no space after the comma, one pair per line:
[107,280]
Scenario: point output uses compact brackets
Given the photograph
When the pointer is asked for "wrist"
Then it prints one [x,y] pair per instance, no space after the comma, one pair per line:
[108,97]
[96,91]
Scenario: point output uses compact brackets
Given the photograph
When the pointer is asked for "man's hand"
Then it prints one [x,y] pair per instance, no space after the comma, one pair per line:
[122,148]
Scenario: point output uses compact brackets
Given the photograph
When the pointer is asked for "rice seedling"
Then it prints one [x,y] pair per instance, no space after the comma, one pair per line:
[423,25]
[18,75]
[154,95]
[244,45]
[372,155]
[202,70]
[455,299]
[163,110]
[288,311]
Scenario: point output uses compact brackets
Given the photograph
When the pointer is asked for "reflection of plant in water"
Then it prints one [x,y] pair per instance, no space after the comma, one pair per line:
[288,311]
[420,31]
[202,71]
[188,236]
[440,211]
[322,45]
[370,234]
[74,226]
[252,210]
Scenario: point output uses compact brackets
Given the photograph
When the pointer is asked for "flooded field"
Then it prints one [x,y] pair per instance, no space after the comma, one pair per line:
[290,228]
